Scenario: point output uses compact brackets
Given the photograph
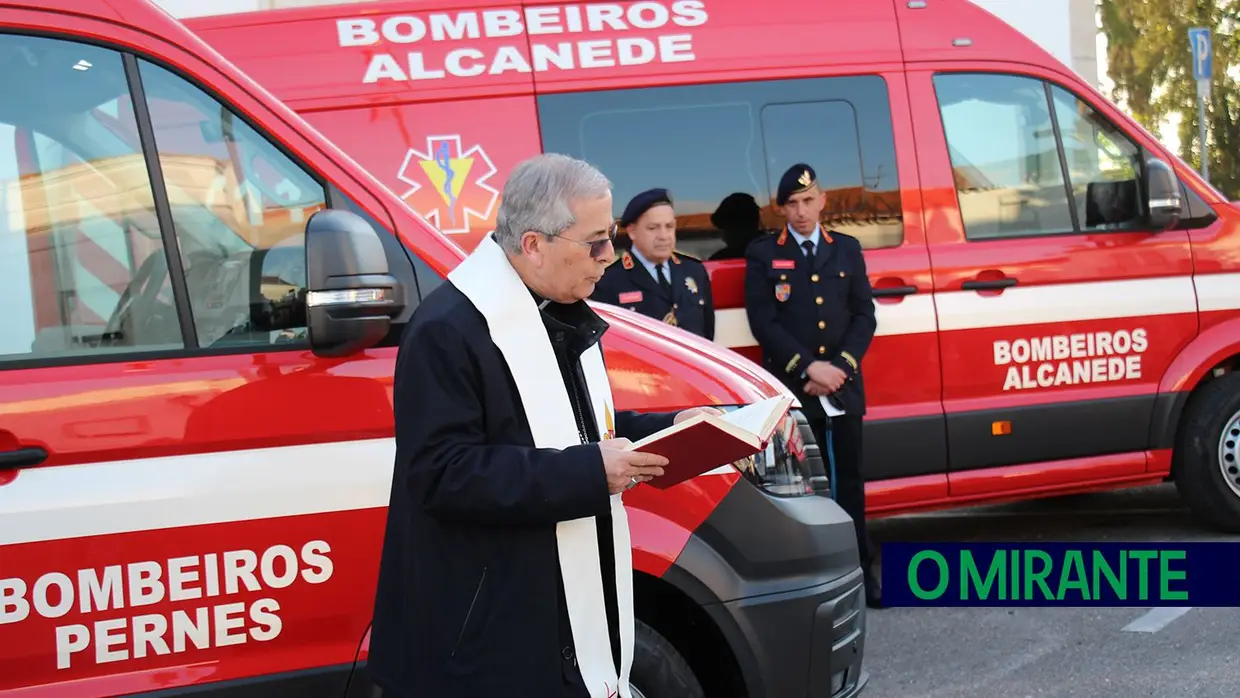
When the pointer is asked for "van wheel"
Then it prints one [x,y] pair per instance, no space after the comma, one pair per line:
[658,669]
[1207,458]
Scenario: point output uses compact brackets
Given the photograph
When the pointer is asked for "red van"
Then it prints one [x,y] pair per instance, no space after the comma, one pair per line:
[202,297]
[1058,296]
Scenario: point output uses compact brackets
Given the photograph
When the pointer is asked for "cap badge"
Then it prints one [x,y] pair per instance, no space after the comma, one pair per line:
[805,180]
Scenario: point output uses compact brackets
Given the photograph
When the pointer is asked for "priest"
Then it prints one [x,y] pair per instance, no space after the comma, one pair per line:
[506,568]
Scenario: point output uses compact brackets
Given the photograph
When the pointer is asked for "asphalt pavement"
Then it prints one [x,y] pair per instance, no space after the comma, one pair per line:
[1061,652]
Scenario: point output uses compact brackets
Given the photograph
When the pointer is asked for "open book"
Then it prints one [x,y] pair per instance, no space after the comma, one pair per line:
[705,442]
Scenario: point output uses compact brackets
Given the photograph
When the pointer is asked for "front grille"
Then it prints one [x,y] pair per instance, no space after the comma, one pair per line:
[839,625]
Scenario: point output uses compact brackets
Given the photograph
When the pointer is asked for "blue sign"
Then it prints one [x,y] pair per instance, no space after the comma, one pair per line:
[1203,58]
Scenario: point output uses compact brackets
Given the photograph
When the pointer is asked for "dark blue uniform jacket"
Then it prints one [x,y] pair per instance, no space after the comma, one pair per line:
[627,283]
[803,310]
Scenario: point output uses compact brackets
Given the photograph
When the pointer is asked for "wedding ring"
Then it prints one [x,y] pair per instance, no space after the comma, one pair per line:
[632,483]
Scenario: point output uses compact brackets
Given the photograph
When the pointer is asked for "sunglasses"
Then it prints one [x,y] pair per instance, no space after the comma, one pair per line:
[597,247]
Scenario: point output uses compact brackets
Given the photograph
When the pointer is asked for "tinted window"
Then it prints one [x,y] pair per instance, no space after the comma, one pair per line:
[239,208]
[82,264]
[706,142]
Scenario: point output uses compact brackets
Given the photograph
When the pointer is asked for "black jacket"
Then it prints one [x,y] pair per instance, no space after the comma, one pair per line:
[802,310]
[469,601]
[627,283]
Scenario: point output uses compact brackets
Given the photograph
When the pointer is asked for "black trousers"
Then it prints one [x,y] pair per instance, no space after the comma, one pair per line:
[842,435]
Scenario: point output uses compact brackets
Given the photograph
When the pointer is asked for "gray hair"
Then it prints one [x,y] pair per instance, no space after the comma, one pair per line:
[539,194]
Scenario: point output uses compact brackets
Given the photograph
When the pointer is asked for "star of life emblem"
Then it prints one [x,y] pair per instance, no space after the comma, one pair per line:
[448,184]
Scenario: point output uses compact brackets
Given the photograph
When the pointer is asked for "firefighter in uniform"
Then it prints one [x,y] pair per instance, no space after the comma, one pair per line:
[811,308]
[653,278]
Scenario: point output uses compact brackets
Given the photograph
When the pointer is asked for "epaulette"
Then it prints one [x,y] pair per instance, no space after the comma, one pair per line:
[678,253]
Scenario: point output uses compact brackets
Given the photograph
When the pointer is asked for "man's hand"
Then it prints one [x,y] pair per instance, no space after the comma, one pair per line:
[686,414]
[824,378]
[627,468]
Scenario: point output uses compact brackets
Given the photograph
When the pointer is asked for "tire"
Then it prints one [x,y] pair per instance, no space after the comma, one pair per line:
[1207,453]
[658,669]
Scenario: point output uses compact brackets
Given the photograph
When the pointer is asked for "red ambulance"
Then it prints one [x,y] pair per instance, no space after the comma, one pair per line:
[201,299]
[1058,295]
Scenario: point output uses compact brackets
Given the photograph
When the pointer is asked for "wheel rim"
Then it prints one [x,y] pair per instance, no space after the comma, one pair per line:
[1229,453]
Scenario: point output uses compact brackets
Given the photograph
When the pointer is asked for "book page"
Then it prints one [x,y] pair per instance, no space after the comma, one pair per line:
[755,418]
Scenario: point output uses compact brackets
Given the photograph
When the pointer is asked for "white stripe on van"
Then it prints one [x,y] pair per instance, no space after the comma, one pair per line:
[1029,305]
[95,499]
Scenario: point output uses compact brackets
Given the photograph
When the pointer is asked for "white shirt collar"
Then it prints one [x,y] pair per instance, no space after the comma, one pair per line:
[650,266]
[812,237]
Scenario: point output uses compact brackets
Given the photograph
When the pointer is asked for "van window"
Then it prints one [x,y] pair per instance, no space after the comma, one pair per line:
[239,208]
[1030,158]
[720,143]
[83,268]
[1103,165]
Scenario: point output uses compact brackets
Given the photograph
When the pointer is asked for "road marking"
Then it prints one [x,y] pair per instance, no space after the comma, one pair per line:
[1155,619]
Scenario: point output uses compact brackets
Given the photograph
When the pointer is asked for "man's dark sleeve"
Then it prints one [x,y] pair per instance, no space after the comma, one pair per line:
[861,319]
[454,472]
[709,297]
[789,355]
[636,426]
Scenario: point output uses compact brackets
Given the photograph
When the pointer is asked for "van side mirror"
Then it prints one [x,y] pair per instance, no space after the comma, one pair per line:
[1162,194]
[351,296]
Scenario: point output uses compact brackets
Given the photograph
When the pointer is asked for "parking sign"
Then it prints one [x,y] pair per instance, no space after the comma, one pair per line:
[1203,58]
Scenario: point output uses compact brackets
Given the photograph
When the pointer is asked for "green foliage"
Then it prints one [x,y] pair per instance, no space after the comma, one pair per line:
[1150,62]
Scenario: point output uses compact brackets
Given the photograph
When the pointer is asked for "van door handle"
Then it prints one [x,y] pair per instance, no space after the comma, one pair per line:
[890,291]
[989,284]
[22,457]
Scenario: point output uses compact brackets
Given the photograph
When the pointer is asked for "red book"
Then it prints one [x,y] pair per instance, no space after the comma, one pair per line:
[705,442]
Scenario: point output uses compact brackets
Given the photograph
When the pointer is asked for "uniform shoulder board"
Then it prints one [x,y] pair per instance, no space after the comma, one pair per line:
[683,255]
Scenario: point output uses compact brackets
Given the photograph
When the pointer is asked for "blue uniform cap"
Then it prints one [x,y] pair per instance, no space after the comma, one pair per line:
[644,202]
[796,179]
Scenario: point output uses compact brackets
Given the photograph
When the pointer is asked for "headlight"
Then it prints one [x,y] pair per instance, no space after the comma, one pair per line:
[791,464]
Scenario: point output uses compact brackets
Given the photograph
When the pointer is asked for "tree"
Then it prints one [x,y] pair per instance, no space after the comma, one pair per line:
[1150,62]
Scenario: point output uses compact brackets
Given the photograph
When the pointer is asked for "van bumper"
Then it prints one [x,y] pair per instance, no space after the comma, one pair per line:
[781,579]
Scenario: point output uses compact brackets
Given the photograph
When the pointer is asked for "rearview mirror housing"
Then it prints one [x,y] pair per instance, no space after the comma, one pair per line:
[1162,194]
[351,296]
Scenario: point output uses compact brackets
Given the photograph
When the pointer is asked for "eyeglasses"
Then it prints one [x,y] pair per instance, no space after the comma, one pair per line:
[597,247]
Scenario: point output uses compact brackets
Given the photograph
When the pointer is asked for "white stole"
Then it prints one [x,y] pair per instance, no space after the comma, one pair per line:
[488,280]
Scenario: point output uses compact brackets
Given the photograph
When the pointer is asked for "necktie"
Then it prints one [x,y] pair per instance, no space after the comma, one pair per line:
[808,246]
[663,282]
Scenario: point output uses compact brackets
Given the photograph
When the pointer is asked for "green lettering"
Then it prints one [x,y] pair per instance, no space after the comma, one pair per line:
[1143,572]
[1103,566]
[944,577]
[1073,563]
[1039,577]
[1166,575]
[970,578]
[1014,580]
